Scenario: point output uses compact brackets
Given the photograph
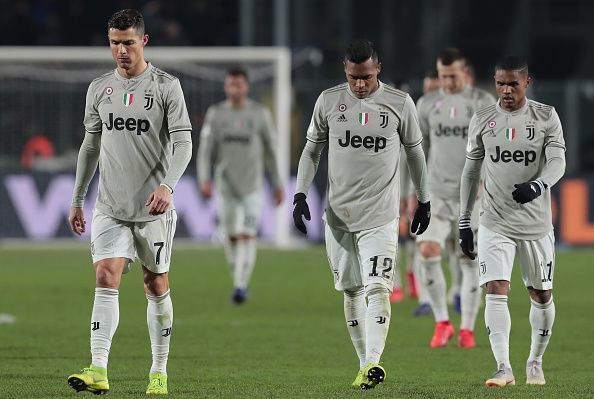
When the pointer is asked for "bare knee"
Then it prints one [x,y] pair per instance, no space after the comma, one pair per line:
[498,287]
[540,296]
[108,272]
[429,249]
[155,284]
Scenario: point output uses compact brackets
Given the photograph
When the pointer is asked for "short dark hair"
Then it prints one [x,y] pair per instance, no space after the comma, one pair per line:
[450,55]
[431,73]
[238,70]
[125,19]
[512,63]
[360,50]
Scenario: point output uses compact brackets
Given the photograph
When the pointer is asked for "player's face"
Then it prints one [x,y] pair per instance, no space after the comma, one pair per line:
[362,78]
[430,84]
[511,87]
[127,48]
[452,78]
[236,88]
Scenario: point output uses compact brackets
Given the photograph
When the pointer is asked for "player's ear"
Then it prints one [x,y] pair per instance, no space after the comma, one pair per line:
[145,39]
[378,67]
[528,80]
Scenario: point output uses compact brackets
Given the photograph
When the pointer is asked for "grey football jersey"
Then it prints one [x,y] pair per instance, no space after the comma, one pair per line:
[512,145]
[134,117]
[444,120]
[239,142]
[365,137]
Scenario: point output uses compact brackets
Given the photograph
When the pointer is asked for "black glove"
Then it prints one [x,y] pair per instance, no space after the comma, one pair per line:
[466,238]
[528,191]
[301,209]
[421,219]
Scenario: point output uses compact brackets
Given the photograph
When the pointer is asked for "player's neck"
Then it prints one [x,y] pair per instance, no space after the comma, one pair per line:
[133,72]
[520,105]
[238,104]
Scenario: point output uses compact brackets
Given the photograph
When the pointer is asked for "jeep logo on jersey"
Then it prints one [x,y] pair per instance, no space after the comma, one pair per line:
[236,139]
[451,131]
[369,142]
[132,125]
[506,156]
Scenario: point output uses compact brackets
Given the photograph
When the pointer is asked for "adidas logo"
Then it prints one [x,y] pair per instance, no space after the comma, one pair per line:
[342,118]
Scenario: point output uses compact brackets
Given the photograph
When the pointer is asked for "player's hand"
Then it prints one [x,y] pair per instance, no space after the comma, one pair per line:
[466,239]
[526,192]
[411,206]
[421,219]
[300,209]
[76,220]
[206,190]
[159,200]
[279,197]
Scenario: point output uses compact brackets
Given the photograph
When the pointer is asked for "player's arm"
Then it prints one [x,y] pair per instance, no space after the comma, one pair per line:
[180,134]
[270,158]
[317,137]
[86,164]
[469,185]
[412,139]
[554,167]
[423,115]
[205,151]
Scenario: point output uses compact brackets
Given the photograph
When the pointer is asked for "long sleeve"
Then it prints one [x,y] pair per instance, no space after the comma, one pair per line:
[269,144]
[554,167]
[182,152]
[417,166]
[205,149]
[469,184]
[88,158]
[308,165]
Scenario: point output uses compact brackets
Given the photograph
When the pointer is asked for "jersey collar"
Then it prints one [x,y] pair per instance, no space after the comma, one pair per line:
[376,93]
[519,111]
[136,78]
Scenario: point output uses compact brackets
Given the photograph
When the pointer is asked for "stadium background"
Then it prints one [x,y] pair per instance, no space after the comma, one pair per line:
[556,36]
[292,345]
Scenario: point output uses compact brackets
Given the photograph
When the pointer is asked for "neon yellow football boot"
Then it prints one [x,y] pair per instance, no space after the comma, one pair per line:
[373,374]
[157,384]
[92,379]
[359,380]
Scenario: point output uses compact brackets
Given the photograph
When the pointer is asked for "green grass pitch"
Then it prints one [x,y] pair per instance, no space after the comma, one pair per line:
[288,341]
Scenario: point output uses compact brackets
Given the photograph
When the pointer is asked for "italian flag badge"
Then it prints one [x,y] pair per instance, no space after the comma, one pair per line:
[363,118]
[510,133]
[453,112]
[128,99]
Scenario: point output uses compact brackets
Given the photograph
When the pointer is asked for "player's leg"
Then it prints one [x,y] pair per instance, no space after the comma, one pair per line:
[411,281]
[424,308]
[232,218]
[496,256]
[397,294]
[453,296]
[112,249]
[537,259]
[343,260]
[470,296]
[154,244]
[378,250]
[251,205]
[431,244]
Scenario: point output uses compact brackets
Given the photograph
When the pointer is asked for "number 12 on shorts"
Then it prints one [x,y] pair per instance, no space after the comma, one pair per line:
[388,262]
